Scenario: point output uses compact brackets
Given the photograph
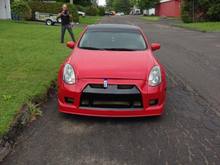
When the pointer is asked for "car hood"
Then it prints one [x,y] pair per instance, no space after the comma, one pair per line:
[111,64]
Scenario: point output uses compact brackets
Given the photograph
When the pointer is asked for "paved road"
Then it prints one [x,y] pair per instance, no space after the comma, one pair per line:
[189,133]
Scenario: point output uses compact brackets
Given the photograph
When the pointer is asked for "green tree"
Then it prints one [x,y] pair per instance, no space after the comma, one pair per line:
[200,10]
[109,4]
[146,4]
[82,2]
[121,6]
[21,9]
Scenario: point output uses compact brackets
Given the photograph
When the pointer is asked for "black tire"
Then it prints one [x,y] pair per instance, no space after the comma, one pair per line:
[49,22]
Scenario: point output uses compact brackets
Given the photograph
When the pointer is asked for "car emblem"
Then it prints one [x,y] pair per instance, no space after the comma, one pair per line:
[105,84]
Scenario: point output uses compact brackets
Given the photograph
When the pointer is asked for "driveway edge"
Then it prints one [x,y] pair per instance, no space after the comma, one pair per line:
[23,118]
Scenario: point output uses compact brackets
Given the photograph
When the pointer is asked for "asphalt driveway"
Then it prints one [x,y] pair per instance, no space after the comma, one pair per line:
[189,132]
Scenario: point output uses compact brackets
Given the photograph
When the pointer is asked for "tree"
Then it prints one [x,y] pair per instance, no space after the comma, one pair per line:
[200,10]
[109,4]
[147,4]
[125,5]
[121,6]
[82,2]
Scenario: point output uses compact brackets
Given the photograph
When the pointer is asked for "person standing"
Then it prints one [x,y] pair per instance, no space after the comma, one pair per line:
[65,23]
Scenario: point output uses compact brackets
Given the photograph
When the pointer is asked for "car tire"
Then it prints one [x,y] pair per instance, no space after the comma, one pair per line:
[49,22]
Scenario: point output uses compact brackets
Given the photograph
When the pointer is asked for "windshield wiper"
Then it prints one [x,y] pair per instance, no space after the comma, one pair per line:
[91,48]
[113,49]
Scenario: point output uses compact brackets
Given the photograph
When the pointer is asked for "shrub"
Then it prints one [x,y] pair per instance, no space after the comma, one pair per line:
[204,10]
[81,8]
[101,11]
[186,18]
[52,8]
[21,9]
[82,2]
[185,12]
[214,13]
[92,11]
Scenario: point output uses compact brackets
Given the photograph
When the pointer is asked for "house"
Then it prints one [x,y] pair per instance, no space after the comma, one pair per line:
[5,9]
[168,8]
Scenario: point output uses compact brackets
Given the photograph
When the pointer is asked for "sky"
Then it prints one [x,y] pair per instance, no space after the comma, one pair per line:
[101,2]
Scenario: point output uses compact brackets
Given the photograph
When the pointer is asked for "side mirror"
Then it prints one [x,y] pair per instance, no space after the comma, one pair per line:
[70,44]
[155,46]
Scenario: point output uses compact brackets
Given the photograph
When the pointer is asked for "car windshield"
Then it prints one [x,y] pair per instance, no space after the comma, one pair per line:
[113,40]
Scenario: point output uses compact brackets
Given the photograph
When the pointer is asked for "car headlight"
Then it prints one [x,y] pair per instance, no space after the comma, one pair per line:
[154,78]
[69,74]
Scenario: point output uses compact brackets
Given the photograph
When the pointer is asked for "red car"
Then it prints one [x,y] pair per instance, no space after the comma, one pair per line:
[112,72]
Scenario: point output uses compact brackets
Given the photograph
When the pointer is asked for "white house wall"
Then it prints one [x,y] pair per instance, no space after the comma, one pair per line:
[5,9]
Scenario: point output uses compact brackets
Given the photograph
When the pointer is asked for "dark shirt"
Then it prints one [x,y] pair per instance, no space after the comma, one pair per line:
[65,18]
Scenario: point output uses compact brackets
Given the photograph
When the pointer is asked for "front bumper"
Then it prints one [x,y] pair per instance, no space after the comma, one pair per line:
[147,94]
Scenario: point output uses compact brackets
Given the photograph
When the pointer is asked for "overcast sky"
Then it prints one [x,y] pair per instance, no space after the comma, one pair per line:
[101,2]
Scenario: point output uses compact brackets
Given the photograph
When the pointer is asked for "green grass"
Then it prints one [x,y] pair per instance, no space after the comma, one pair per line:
[151,18]
[203,26]
[30,56]
[89,19]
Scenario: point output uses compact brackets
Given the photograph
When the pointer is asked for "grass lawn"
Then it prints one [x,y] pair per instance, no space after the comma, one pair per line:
[30,56]
[89,19]
[151,18]
[203,26]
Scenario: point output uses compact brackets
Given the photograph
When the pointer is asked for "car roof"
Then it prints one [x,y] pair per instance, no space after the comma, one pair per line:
[113,27]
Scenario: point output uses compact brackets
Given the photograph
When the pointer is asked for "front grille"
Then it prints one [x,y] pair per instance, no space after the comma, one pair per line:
[113,97]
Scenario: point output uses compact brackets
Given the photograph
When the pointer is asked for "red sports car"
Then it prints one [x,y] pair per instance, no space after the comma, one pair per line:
[112,72]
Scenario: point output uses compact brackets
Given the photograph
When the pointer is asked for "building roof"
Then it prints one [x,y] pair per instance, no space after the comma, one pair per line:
[162,1]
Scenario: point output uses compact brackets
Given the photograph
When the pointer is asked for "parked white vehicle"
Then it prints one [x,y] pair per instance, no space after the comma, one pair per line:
[149,12]
[135,11]
[80,13]
[48,18]
[120,14]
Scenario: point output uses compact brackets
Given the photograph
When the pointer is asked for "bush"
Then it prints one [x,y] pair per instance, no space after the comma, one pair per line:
[101,11]
[53,8]
[21,9]
[92,11]
[185,12]
[204,10]
[82,2]
[81,8]
[214,13]
[186,18]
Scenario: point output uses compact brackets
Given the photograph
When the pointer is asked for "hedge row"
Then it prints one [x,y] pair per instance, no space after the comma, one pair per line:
[52,8]
[200,10]
[91,10]
[21,9]
[26,10]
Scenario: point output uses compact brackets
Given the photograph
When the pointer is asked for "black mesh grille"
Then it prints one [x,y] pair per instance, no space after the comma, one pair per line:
[113,97]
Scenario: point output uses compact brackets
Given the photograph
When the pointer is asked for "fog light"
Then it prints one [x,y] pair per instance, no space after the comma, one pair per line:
[153,102]
[69,100]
